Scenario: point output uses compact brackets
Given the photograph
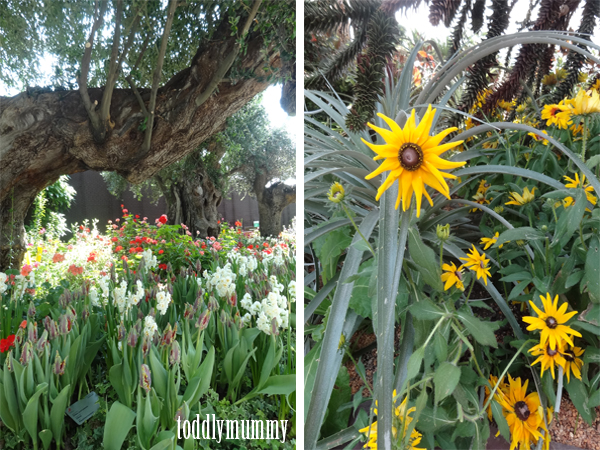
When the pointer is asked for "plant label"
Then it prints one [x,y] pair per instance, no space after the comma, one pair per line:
[84,409]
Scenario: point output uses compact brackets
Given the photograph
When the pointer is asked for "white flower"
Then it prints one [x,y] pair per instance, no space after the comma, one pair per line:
[162,302]
[3,286]
[292,290]
[255,308]
[247,319]
[94,297]
[150,327]
[150,261]
[246,301]
[263,323]
[120,345]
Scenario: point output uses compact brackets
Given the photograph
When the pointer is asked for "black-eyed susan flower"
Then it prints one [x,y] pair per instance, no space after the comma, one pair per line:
[523,414]
[559,115]
[483,187]
[502,387]
[479,198]
[477,263]
[548,356]
[585,103]
[402,420]
[550,321]
[576,183]
[452,276]
[521,199]
[488,242]
[413,158]
[572,361]
[538,138]
[336,193]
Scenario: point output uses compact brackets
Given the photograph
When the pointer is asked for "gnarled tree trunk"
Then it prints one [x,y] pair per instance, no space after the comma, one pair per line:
[271,201]
[193,201]
[47,135]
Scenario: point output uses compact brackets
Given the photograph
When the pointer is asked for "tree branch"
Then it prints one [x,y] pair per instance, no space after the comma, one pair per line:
[229,59]
[85,69]
[113,68]
[157,76]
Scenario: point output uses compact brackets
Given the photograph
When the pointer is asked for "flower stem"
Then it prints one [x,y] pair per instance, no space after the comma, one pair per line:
[357,230]
[559,389]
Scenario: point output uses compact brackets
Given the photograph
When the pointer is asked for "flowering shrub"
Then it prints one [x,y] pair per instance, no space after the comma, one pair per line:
[157,312]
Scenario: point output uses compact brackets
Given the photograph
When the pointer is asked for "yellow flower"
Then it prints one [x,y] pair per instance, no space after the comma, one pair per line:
[413,158]
[477,263]
[550,321]
[502,387]
[575,183]
[582,77]
[452,276]
[521,200]
[572,362]
[558,115]
[561,74]
[479,198]
[491,241]
[483,187]
[586,102]
[537,138]
[336,193]
[507,106]
[549,80]
[548,356]
[521,108]
[402,420]
[596,85]
[38,256]
[523,415]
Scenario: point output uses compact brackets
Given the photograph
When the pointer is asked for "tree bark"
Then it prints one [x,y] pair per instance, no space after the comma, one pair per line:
[47,135]
[271,201]
[193,201]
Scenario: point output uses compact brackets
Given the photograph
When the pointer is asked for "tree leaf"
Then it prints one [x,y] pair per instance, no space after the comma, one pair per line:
[481,331]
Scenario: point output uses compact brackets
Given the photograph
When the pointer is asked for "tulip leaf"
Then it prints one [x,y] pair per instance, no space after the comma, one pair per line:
[30,414]
[159,375]
[57,412]
[119,421]
[46,438]
[279,385]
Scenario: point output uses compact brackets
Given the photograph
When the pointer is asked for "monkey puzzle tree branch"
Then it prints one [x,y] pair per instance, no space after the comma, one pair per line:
[157,76]
[229,59]
[95,121]
[113,68]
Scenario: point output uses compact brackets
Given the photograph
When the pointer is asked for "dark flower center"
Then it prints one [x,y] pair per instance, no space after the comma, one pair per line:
[551,322]
[569,355]
[551,352]
[522,411]
[410,156]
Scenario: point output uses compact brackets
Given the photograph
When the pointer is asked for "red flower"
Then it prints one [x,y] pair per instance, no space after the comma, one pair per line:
[87,230]
[23,324]
[266,245]
[161,251]
[162,266]
[139,249]
[6,344]
[118,249]
[125,211]
[238,223]
[250,247]
[81,227]
[58,258]
[137,216]
[163,219]
[92,257]
[132,250]
[75,270]
[115,239]
[124,258]
[26,270]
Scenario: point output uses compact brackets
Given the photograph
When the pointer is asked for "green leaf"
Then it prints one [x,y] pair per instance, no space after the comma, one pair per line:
[360,301]
[500,420]
[159,375]
[424,257]
[594,399]
[30,414]
[579,396]
[523,233]
[414,363]
[119,421]
[342,393]
[483,332]
[591,355]
[311,362]
[426,310]
[591,279]
[57,412]
[329,248]
[440,346]
[46,438]
[445,380]
[570,219]
[279,385]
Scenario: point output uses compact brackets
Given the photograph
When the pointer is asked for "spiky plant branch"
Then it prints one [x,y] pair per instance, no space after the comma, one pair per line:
[325,15]
[575,60]
[443,10]
[477,15]
[553,15]
[382,37]
[457,34]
